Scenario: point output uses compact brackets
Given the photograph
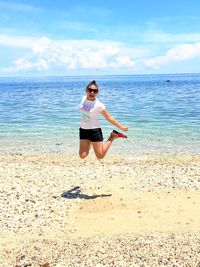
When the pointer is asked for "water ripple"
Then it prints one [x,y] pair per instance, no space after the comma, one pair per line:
[159,113]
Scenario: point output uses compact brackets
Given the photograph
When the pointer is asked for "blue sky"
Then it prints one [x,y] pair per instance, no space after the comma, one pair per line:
[99,37]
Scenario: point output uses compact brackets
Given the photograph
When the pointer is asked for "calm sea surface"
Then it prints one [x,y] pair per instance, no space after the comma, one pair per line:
[42,114]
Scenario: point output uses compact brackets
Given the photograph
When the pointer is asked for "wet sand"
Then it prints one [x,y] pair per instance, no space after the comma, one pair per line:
[58,210]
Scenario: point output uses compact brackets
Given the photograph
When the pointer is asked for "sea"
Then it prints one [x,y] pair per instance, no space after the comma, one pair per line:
[162,112]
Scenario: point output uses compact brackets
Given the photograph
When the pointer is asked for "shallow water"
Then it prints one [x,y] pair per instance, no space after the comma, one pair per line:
[42,114]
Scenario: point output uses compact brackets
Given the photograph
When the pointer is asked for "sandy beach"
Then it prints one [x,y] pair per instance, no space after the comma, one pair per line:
[58,210]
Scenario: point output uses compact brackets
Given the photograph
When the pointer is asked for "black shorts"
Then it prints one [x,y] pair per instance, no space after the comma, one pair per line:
[94,135]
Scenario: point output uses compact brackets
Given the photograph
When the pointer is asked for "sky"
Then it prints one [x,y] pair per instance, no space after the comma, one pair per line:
[56,38]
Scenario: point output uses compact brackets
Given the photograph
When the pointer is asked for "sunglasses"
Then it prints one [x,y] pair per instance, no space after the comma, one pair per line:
[95,91]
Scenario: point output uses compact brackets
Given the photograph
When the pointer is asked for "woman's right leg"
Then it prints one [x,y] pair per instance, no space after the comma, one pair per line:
[101,149]
[84,148]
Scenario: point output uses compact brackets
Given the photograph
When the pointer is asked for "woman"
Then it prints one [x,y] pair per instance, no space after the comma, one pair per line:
[90,131]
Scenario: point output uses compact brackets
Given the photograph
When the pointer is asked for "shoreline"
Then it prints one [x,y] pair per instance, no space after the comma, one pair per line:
[129,147]
[125,211]
[110,157]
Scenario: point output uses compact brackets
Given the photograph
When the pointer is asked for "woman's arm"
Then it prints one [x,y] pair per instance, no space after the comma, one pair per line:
[112,120]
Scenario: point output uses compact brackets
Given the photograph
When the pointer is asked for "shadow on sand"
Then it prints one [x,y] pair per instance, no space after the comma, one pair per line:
[76,193]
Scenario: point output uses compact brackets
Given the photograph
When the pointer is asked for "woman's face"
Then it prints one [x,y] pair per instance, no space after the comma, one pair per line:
[92,92]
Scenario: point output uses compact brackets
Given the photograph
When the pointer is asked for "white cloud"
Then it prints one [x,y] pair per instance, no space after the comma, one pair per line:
[180,53]
[17,41]
[47,54]
[84,54]
[124,61]
[23,64]
[42,45]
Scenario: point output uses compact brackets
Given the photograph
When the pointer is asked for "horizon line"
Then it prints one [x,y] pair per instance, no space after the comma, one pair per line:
[84,75]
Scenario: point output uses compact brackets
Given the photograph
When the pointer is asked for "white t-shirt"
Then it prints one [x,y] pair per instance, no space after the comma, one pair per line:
[90,111]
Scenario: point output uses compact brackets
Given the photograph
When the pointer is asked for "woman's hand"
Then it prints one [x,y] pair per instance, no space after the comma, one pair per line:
[124,128]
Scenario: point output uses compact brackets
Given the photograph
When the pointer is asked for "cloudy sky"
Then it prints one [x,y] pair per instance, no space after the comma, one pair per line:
[86,37]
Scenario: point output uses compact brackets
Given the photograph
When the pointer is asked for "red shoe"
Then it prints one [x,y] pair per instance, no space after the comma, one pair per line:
[119,134]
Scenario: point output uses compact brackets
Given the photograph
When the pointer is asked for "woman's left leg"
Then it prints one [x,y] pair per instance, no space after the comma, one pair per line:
[101,149]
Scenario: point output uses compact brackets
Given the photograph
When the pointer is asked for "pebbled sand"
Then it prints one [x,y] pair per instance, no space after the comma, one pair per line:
[133,212]
[138,212]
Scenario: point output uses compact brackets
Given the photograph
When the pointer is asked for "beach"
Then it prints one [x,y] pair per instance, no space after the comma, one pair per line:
[59,210]
[139,206]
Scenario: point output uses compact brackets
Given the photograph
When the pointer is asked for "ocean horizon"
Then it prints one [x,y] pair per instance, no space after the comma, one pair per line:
[41,114]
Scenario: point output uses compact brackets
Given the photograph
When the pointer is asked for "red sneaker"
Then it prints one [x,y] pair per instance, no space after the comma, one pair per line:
[119,134]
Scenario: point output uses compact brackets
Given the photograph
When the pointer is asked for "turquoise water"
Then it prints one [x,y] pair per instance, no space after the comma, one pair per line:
[42,114]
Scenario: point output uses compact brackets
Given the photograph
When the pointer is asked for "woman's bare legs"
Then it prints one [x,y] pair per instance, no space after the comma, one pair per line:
[100,149]
[84,148]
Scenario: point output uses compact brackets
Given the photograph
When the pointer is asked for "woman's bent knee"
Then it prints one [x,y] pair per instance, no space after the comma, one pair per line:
[83,155]
[99,156]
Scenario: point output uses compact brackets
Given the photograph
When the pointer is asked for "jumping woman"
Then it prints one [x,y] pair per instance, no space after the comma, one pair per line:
[90,130]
